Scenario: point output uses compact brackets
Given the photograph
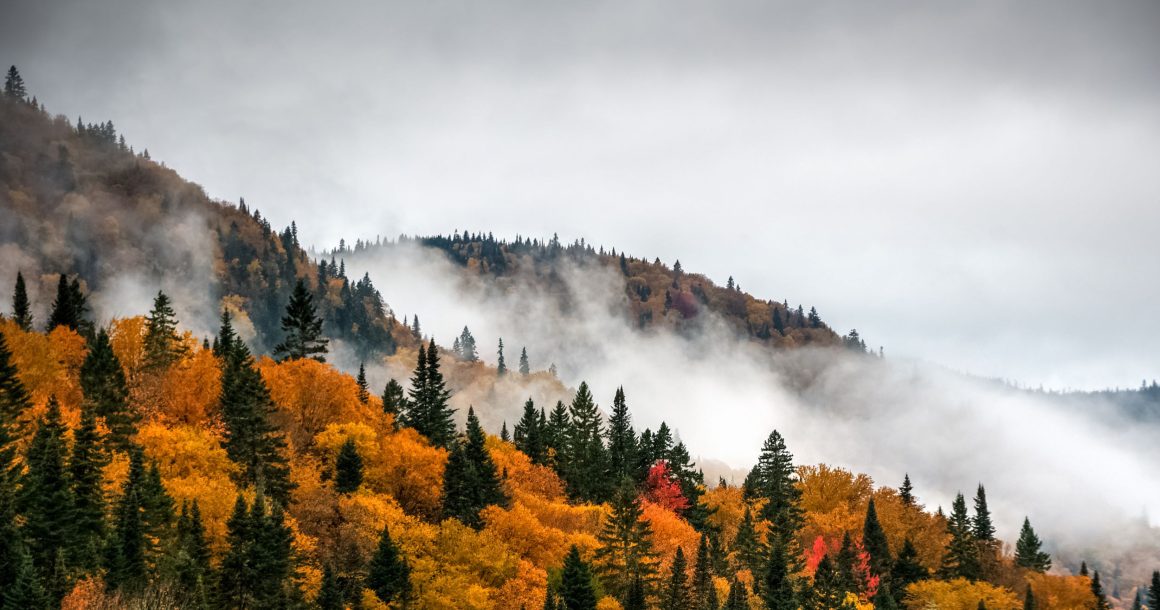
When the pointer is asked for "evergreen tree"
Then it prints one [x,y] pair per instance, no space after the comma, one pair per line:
[25,592]
[636,598]
[125,554]
[907,569]
[738,596]
[828,591]
[962,556]
[329,593]
[622,445]
[576,590]
[394,400]
[14,85]
[981,526]
[874,541]
[1137,601]
[191,563]
[777,590]
[501,366]
[678,593]
[470,480]
[252,441]
[106,392]
[777,483]
[625,554]
[1029,600]
[704,593]
[750,551]
[255,573]
[585,467]
[1098,592]
[428,412]
[524,368]
[1083,569]
[503,433]
[778,322]
[906,492]
[364,394]
[163,346]
[45,495]
[556,433]
[388,574]
[1028,552]
[69,307]
[85,476]
[303,328]
[21,307]
[1154,591]
[529,436]
[467,351]
[348,468]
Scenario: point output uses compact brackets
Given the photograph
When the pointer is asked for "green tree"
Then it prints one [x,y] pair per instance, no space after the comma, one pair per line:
[330,592]
[874,541]
[524,367]
[907,569]
[1154,591]
[14,85]
[1028,550]
[21,307]
[738,596]
[85,476]
[14,401]
[1098,592]
[192,555]
[470,480]
[364,394]
[1029,600]
[981,526]
[388,574]
[576,589]
[45,495]
[622,444]
[625,554]
[348,468]
[106,391]
[585,467]
[501,366]
[962,556]
[163,345]
[704,593]
[255,573]
[906,491]
[428,412]
[69,307]
[529,436]
[303,328]
[636,599]
[467,351]
[125,566]
[555,435]
[24,592]
[678,593]
[750,551]
[394,400]
[777,483]
[777,588]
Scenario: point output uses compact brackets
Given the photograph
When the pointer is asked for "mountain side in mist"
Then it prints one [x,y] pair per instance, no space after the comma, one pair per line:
[75,199]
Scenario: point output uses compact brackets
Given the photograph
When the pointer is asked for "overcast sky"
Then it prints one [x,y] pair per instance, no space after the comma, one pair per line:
[975,183]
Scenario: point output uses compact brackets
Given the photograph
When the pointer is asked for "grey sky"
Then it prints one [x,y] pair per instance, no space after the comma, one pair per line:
[976,184]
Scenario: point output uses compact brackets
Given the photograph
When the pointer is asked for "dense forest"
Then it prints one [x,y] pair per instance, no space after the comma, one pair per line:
[144,465]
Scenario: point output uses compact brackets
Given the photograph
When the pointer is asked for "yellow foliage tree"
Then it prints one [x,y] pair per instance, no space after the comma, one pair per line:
[191,387]
[959,594]
[1061,592]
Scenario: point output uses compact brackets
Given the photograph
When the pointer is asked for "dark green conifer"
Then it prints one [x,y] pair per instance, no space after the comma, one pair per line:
[21,307]
[1028,550]
[85,476]
[1098,592]
[191,561]
[962,556]
[1154,591]
[555,436]
[364,394]
[388,574]
[45,496]
[501,365]
[704,593]
[348,468]
[470,480]
[106,392]
[529,436]
[394,400]
[750,551]
[907,569]
[303,328]
[576,590]
[906,492]
[636,598]
[981,526]
[14,85]
[524,368]
[330,592]
[163,346]
[738,596]
[874,541]
[585,465]
[625,553]
[622,444]
[1029,600]
[777,483]
[777,589]
[427,411]
[678,594]
[125,566]
[24,592]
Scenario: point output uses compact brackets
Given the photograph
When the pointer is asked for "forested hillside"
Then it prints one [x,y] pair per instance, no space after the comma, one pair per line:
[145,466]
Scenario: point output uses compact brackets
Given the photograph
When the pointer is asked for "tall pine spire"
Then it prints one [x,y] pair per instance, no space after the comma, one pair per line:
[303,328]
[21,307]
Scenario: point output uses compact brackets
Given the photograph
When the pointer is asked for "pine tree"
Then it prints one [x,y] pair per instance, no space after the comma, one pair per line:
[192,566]
[636,598]
[1098,592]
[1083,569]
[1137,601]
[777,483]
[777,590]
[14,402]
[1029,600]
[501,366]
[125,554]
[14,85]
[576,590]
[388,574]
[503,433]
[348,468]
[21,307]
[85,476]
[69,306]
[106,391]
[703,590]
[252,441]
[1028,552]
[470,480]
[427,411]
[738,596]
[555,437]
[586,461]
[394,400]
[467,351]
[625,554]
[45,496]
[981,526]
[678,593]
[1154,592]
[827,592]
[907,569]
[906,492]
[524,367]
[25,592]
[529,436]
[364,394]
[750,551]
[962,556]
[163,346]
[303,328]
[622,445]
[329,593]
[874,541]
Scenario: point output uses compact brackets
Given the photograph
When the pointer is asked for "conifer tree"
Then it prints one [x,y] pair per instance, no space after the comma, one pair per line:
[470,480]
[256,569]
[364,394]
[45,496]
[1029,600]
[329,593]
[394,400]
[556,432]
[738,596]
[1154,591]
[529,436]
[525,369]
[427,411]
[962,556]
[1028,550]
[192,566]
[576,590]
[622,444]
[163,345]
[1098,592]
[777,589]
[625,554]
[704,593]
[467,351]
[585,467]
[981,526]
[106,391]
[348,468]
[907,569]
[678,594]
[388,574]
[1083,569]
[906,491]
[14,85]
[501,366]
[750,551]
[636,598]
[303,328]
[125,566]
[777,483]
[85,476]
[25,591]
[874,541]
[21,307]
[252,441]
[69,306]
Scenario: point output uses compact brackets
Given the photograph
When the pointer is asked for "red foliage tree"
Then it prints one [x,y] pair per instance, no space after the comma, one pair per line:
[660,488]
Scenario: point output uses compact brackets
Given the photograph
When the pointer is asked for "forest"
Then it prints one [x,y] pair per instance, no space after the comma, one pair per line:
[147,461]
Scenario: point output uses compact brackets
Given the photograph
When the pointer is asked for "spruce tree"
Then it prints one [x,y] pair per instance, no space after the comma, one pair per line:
[525,369]
[828,591]
[21,307]
[394,400]
[962,557]
[555,435]
[749,549]
[364,394]
[303,328]
[330,592]
[777,483]
[14,401]
[192,567]
[231,589]
[585,467]
[125,566]
[576,590]
[388,574]
[411,414]
[704,593]
[622,444]
[1154,591]
[63,309]
[1098,592]
[529,437]
[501,366]
[625,554]
[163,346]
[678,594]
[24,592]
[738,596]
[1028,551]
[777,589]
[981,526]
[85,476]
[45,496]
[470,480]
[467,351]
[907,569]
[1138,600]
[106,391]
[906,492]
[1029,600]
[636,599]
[252,440]
[428,412]
[874,541]
[348,468]
[14,85]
